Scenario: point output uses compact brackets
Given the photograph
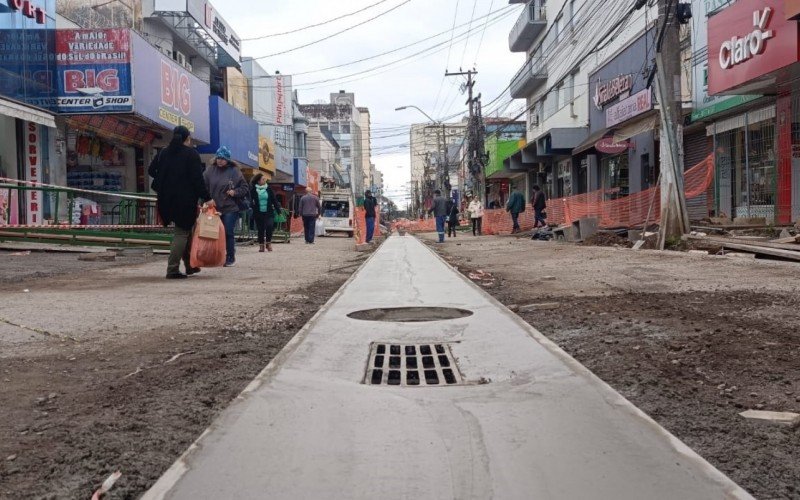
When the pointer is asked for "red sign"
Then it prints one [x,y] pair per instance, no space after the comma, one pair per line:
[29,10]
[176,91]
[792,9]
[608,146]
[102,46]
[747,41]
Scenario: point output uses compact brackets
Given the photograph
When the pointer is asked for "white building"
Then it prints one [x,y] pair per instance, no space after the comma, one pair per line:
[427,144]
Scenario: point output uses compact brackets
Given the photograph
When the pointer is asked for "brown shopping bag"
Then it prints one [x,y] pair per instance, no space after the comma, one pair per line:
[207,251]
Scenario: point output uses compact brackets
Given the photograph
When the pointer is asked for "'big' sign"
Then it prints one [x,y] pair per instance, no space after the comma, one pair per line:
[75,80]
[176,91]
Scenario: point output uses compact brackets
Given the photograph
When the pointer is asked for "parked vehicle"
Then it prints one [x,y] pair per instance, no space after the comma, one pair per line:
[337,211]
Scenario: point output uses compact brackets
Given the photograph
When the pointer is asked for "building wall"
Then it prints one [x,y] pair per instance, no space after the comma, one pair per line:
[366,147]
[322,153]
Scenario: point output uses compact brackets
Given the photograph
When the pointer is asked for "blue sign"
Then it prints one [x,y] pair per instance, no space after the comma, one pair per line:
[234,129]
[301,171]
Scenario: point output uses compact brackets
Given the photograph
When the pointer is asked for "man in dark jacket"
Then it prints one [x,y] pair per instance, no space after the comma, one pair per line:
[310,208]
[177,173]
[370,206]
[515,205]
[539,203]
[439,210]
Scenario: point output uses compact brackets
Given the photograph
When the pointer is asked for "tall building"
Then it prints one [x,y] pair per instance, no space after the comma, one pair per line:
[324,154]
[344,120]
[428,143]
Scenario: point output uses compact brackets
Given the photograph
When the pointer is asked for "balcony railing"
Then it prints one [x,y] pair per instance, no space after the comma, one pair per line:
[530,25]
[529,78]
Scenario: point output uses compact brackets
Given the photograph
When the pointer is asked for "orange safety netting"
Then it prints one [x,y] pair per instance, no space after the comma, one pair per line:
[626,211]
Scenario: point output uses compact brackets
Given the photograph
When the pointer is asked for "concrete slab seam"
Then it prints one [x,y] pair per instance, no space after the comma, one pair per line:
[170,478]
[611,395]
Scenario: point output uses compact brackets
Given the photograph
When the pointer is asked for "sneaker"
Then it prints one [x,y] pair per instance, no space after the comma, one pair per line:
[230,264]
[192,270]
[176,276]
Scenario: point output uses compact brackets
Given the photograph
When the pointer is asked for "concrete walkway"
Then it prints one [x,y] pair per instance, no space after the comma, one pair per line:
[542,427]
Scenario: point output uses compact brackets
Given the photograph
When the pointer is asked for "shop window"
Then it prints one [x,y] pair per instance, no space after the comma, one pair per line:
[649,174]
[615,176]
[564,187]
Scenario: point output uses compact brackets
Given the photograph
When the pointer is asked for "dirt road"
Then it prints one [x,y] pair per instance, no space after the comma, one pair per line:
[691,340]
[111,367]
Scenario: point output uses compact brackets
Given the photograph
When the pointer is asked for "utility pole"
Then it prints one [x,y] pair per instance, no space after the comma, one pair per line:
[674,214]
[475,140]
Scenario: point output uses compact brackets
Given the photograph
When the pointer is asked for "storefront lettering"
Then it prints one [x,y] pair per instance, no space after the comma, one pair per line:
[280,101]
[34,172]
[28,10]
[76,80]
[738,50]
[176,91]
[606,92]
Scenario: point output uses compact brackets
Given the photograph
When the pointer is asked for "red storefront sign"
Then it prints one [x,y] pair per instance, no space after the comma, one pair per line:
[29,10]
[792,9]
[608,146]
[747,41]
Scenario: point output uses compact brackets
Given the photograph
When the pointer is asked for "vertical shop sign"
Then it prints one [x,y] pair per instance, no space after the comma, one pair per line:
[280,101]
[33,172]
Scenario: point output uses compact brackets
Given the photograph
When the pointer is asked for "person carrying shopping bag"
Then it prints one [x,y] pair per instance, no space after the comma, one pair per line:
[230,192]
[177,173]
[475,209]
[265,206]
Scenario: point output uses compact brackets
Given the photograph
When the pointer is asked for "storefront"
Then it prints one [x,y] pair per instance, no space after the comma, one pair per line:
[753,51]
[505,169]
[621,154]
[27,96]
[119,98]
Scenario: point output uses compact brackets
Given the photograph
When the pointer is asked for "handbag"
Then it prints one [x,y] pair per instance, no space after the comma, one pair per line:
[208,224]
[243,203]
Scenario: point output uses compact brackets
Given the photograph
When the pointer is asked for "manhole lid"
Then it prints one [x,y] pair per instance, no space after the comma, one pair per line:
[410,314]
[412,365]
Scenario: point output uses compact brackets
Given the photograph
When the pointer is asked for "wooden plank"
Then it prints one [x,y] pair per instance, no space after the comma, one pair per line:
[790,239]
[786,254]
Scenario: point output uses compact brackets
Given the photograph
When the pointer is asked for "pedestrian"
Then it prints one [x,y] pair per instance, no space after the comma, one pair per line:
[310,208]
[515,205]
[265,206]
[476,215]
[539,203]
[370,206]
[439,211]
[227,186]
[177,173]
[452,218]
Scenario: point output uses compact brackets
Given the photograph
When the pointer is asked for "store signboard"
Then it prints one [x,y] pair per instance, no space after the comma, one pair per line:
[166,93]
[633,106]
[747,41]
[211,22]
[33,171]
[608,146]
[266,154]
[301,171]
[792,9]
[237,90]
[29,9]
[237,131]
[94,71]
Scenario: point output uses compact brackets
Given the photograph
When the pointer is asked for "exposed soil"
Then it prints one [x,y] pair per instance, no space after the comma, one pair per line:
[692,359]
[604,239]
[75,412]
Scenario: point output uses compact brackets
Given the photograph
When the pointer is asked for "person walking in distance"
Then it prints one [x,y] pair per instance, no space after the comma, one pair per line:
[265,206]
[370,207]
[475,209]
[177,173]
[539,203]
[310,209]
[515,205]
[452,218]
[439,211]
[229,189]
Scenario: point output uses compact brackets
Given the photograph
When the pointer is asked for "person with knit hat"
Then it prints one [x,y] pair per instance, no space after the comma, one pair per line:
[229,190]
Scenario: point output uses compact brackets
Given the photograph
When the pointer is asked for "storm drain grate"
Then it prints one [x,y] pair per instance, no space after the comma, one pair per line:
[412,365]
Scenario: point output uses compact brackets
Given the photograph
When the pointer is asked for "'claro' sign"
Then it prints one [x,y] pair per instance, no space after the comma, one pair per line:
[747,41]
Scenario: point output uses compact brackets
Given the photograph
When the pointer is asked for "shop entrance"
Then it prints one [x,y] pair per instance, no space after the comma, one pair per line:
[616,179]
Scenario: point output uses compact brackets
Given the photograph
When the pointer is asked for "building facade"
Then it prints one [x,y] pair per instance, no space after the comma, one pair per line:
[428,143]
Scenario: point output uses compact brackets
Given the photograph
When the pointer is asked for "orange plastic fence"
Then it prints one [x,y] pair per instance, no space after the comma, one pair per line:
[628,211]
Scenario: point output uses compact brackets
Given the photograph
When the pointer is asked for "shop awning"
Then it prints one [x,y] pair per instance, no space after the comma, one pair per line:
[636,128]
[590,141]
[15,110]
[560,139]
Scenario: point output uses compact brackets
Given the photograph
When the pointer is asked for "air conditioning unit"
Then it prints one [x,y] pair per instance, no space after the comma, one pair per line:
[535,121]
[180,58]
[188,67]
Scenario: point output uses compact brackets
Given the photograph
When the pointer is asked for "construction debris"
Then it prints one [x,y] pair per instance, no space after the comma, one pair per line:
[774,417]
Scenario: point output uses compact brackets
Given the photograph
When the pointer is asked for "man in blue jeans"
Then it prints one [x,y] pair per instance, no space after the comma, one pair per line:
[370,206]
[439,210]
[310,208]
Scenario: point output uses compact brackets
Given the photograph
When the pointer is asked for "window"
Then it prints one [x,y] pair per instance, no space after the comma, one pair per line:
[345,128]
[573,14]
[569,88]
[346,152]
[558,26]
[333,127]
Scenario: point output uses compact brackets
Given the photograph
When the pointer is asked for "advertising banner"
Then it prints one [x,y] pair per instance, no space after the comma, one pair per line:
[633,106]
[748,41]
[33,172]
[237,131]
[266,154]
[301,172]
[237,90]
[167,93]
[94,71]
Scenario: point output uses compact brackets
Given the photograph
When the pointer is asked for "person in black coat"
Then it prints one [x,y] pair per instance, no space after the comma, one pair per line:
[452,218]
[265,206]
[177,173]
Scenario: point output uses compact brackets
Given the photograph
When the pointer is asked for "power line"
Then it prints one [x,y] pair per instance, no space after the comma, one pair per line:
[334,34]
[297,30]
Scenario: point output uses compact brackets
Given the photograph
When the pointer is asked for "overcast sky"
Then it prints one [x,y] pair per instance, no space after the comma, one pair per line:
[417,80]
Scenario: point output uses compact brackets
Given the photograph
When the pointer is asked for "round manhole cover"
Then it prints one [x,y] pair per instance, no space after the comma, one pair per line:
[410,314]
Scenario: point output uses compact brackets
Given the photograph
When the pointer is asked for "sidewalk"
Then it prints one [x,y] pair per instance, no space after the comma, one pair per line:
[530,422]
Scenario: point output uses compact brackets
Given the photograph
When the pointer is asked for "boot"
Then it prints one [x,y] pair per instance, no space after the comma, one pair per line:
[261,247]
[269,247]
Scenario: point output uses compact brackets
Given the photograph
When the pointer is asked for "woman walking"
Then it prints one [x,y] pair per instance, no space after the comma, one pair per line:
[265,206]
[177,173]
[229,189]
[476,214]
